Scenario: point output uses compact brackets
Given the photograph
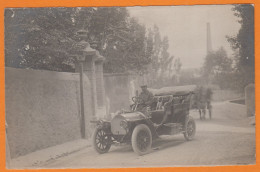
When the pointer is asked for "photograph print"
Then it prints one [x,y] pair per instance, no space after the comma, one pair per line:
[124,87]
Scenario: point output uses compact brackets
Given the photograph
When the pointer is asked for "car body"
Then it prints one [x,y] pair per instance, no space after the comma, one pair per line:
[142,124]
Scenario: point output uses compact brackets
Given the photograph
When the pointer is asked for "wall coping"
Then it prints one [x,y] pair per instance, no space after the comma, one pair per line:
[119,74]
[40,74]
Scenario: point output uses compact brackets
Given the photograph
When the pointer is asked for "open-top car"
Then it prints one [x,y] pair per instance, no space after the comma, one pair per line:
[168,114]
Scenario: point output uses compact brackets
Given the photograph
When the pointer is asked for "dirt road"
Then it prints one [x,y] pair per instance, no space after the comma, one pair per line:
[227,139]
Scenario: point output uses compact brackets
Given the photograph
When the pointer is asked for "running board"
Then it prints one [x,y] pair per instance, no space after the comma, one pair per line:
[170,129]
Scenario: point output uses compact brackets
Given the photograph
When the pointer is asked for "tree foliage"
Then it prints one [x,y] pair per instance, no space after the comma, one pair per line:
[121,39]
[217,68]
[164,68]
[42,38]
[243,45]
[238,72]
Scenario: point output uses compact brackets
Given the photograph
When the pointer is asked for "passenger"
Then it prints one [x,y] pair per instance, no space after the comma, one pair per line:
[167,112]
[159,105]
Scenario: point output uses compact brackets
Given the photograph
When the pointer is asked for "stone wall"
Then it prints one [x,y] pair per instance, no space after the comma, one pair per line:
[43,109]
[250,99]
[224,95]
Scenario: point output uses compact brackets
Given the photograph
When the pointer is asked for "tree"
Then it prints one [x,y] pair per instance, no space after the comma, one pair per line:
[243,44]
[164,68]
[39,38]
[217,68]
[120,39]
[190,76]
[177,70]
[166,59]
[42,38]
[156,51]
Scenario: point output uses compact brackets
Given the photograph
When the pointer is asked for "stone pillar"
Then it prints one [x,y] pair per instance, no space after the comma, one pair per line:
[89,70]
[250,99]
[100,83]
[7,150]
[101,97]
[86,57]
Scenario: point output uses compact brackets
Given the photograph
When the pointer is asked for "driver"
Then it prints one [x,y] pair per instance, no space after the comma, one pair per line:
[146,96]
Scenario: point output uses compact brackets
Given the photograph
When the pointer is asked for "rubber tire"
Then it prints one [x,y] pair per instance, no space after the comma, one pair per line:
[95,146]
[186,136]
[137,129]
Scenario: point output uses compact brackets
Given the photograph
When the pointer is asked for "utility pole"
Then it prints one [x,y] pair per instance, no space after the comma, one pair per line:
[82,128]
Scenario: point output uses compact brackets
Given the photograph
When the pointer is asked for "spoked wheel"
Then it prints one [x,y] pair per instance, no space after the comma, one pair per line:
[141,139]
[189,129]
[101,141]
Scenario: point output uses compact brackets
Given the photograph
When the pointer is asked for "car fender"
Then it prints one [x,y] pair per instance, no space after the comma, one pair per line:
[102,124]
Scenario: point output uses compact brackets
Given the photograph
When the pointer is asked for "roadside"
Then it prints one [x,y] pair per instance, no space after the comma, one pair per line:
[227,139]
[41,157]
[226,113]
[227,118]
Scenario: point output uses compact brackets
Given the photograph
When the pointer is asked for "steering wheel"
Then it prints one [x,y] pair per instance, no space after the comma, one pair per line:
[137,100]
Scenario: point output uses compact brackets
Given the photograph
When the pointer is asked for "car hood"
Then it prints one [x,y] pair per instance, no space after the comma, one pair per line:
[132,116]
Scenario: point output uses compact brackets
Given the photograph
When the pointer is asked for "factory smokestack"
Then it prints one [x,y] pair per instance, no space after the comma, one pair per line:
[209,45]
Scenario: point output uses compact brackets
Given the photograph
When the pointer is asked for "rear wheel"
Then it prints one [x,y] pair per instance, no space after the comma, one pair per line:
[101,141]
[141,139]
[189,129]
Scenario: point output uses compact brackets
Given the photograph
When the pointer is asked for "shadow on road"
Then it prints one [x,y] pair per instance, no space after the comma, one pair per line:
[164,143]
[158,144]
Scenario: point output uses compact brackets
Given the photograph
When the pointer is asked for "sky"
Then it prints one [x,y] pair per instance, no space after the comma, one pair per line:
[186,27]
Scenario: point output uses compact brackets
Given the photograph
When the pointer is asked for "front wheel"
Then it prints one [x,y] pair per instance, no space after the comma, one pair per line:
[101,141]
[189,129]
[141,139]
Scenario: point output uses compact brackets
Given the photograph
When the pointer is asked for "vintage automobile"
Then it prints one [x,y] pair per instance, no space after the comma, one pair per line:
[141,125]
